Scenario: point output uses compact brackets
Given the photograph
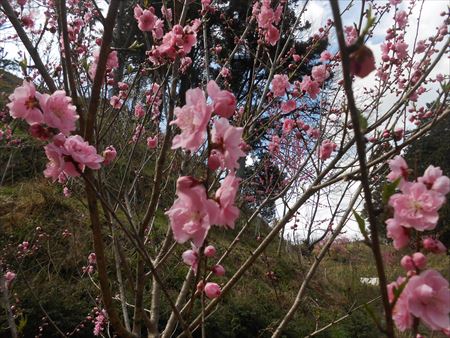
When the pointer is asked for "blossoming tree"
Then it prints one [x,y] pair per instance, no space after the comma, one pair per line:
[108,105]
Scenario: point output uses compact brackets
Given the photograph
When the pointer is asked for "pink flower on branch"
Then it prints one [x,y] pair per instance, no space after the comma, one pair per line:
[429,299]
[227,142]
[225,196]
[59,112]
[192,119]
[280,84]
[25,103]
[224,101]
[192,213]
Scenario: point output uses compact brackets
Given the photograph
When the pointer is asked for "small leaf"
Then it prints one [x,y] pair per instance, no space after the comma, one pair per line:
[389,190]
[361,224]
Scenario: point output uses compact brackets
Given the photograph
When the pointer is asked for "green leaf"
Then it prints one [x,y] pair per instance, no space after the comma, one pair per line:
[23,65]
[361,224]
[389,190]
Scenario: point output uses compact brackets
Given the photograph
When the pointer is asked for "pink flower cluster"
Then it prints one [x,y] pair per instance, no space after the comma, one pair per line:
[176,43]
[280,84]
[111,63]
[416,206]
[267,19]
[53,117]
[148,21]
[422,294]
[55,110]
[326,148]
[193,213]
[69,156]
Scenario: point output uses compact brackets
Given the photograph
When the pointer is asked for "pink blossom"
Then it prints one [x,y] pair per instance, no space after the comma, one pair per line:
[57,168]
[288,125]
[152,142]
[225,72]
[326,148]
[309,86]
[296,58]
[434,180]
[212,290]
[190,257]
[192,119]
[288,106]
[192,213]
[325,56]
[81,152]
[109,155]
[272,35]
[139,111]
[115,102]
[224,101]
[146,21]
[434,245]
[100,322]
[429,299]
[401,48]
[320,73]
[58,111]
[401,18]
[66,192]
[210,251]
[25,104]
[417,207]
[218,270]
[399,168]
[421,46]
[111,62]
[274,145]
[10,276]
[397,233]
[395,2]
[400,313]
[226,195]
[280,84]
[227,142]
[351,35]
[92,258]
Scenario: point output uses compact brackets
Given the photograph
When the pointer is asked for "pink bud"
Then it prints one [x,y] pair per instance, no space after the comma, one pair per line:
[109,154]
[152,142]
[213,162]
[218,270]
[407,263]
[212,290]
[210,251]
[92,258]
[39,132]
[434,245]
[420,261]
[200,286]
[10,276]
